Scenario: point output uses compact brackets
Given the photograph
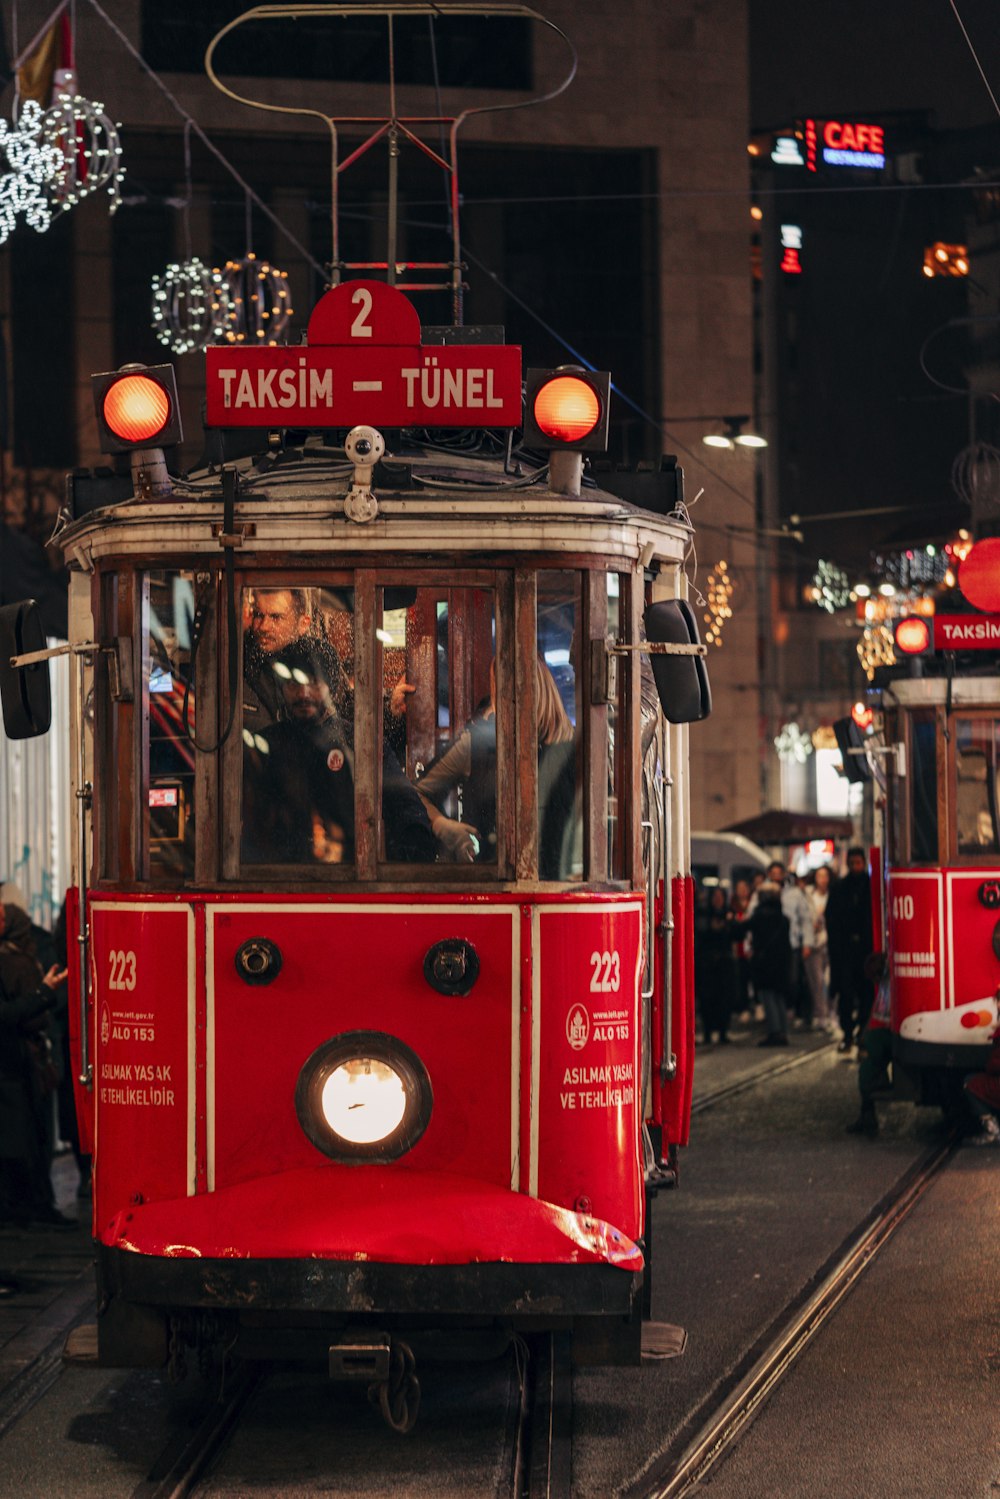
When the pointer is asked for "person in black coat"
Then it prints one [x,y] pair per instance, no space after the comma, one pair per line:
[849,928]
[770,962]
[25,1000]
[715,964]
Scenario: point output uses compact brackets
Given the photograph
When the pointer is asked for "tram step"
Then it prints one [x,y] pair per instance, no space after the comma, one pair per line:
[81,1345]
[662,1340]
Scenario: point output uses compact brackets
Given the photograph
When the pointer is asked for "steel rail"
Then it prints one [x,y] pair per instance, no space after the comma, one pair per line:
[184,1462]
[753,1079]
[672,1478]
[542,1465]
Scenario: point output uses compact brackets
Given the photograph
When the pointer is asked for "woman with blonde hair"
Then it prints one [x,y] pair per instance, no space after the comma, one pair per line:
[469,764]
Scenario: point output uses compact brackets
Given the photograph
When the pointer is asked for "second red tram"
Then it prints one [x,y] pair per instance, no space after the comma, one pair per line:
[942,870]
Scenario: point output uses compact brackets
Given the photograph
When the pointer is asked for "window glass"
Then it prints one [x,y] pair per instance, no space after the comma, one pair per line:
[298,725]
[923,778]
[616,769]
[170,696]
[560,747]
[439,702]
[975,786]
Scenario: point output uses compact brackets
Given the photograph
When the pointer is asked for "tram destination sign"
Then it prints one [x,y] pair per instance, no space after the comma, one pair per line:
[967,632]
[363,362]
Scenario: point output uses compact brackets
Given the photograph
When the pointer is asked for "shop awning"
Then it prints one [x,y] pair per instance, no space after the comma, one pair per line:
[787,828]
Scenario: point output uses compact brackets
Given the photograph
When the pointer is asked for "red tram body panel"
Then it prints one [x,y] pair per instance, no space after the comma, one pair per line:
[189,1102]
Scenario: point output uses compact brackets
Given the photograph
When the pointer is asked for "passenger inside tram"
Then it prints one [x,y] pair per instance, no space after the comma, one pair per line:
[273,618]
[469,763]
[298,795]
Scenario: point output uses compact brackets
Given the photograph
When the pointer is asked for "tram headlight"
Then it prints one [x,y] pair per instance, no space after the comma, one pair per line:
[363,1096]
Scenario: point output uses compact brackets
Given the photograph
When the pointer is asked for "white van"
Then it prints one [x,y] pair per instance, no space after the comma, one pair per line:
[724,858]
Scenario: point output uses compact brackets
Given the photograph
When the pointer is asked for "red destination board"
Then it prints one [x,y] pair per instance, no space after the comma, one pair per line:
[967,632]
[364,362]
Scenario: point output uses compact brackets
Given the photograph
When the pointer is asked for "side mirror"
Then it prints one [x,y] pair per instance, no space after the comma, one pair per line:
[24,690]
[681,681]
[850,742]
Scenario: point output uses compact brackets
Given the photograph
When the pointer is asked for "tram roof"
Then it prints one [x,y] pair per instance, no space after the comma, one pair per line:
[447,506]
[962,692]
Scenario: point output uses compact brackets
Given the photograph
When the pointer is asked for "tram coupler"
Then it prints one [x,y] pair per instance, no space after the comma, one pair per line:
[365,1358]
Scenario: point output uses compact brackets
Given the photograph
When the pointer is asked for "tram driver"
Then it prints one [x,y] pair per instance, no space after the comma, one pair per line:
[298,803]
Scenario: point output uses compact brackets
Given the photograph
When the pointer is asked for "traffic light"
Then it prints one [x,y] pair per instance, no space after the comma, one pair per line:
[137,407]
[567,408]
[914,636]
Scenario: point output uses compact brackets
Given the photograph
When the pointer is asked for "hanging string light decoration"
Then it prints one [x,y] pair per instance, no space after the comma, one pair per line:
[831,587]
[718,593]
[34,165]
[88,146]
[259,302]
[190,306]
[875,648]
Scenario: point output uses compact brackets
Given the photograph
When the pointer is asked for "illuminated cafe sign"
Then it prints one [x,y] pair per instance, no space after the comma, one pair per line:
[791,245]
[839,143]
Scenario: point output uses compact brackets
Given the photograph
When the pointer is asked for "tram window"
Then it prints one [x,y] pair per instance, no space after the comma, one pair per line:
[560,747]
[170,758]
[298,725]
[923,777]
[975,786]
[439,696]
[616,767]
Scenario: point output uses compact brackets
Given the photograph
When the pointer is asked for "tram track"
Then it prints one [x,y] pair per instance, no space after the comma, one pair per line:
[709,1434]
[754,1079]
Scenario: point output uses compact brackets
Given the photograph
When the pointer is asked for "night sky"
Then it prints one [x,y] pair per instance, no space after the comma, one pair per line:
[862,426]
[829,59]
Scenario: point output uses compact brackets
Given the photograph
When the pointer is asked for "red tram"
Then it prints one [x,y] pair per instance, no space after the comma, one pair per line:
[942,865]
[382,894]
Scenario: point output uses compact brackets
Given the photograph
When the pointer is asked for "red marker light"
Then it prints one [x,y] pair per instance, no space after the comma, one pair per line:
[979,575]
[566,408]
[136,408]
[862,715]
[913,636]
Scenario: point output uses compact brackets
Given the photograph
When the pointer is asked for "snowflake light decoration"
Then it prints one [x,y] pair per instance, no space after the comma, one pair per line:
[793,744]
[831,587]
[719,591]
[190,306]
[87,142]
[34,164]
[259,302]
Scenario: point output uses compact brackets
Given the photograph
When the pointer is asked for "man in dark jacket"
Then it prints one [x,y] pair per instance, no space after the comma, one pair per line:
[299,773]
[770,962]
[25,1190]
[849,929]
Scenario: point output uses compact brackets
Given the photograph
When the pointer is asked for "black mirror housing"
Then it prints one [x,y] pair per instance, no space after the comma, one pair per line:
[24,690]
[851,743]
[682,683]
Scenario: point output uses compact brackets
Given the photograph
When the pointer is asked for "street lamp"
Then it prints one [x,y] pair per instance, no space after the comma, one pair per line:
[733,434]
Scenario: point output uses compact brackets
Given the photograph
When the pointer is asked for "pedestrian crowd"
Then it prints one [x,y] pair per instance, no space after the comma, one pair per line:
[37,1111]
[787,950]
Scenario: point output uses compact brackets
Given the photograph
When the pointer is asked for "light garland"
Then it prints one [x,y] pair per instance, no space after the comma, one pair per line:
[190,306]
[831,587]
[259,302]
[793,744]
[875,649]
[719,590]
[34,163]
[88,146]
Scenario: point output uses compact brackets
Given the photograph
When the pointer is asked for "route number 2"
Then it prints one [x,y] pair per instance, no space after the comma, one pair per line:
[361,328]
[606,977]
[122,970]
